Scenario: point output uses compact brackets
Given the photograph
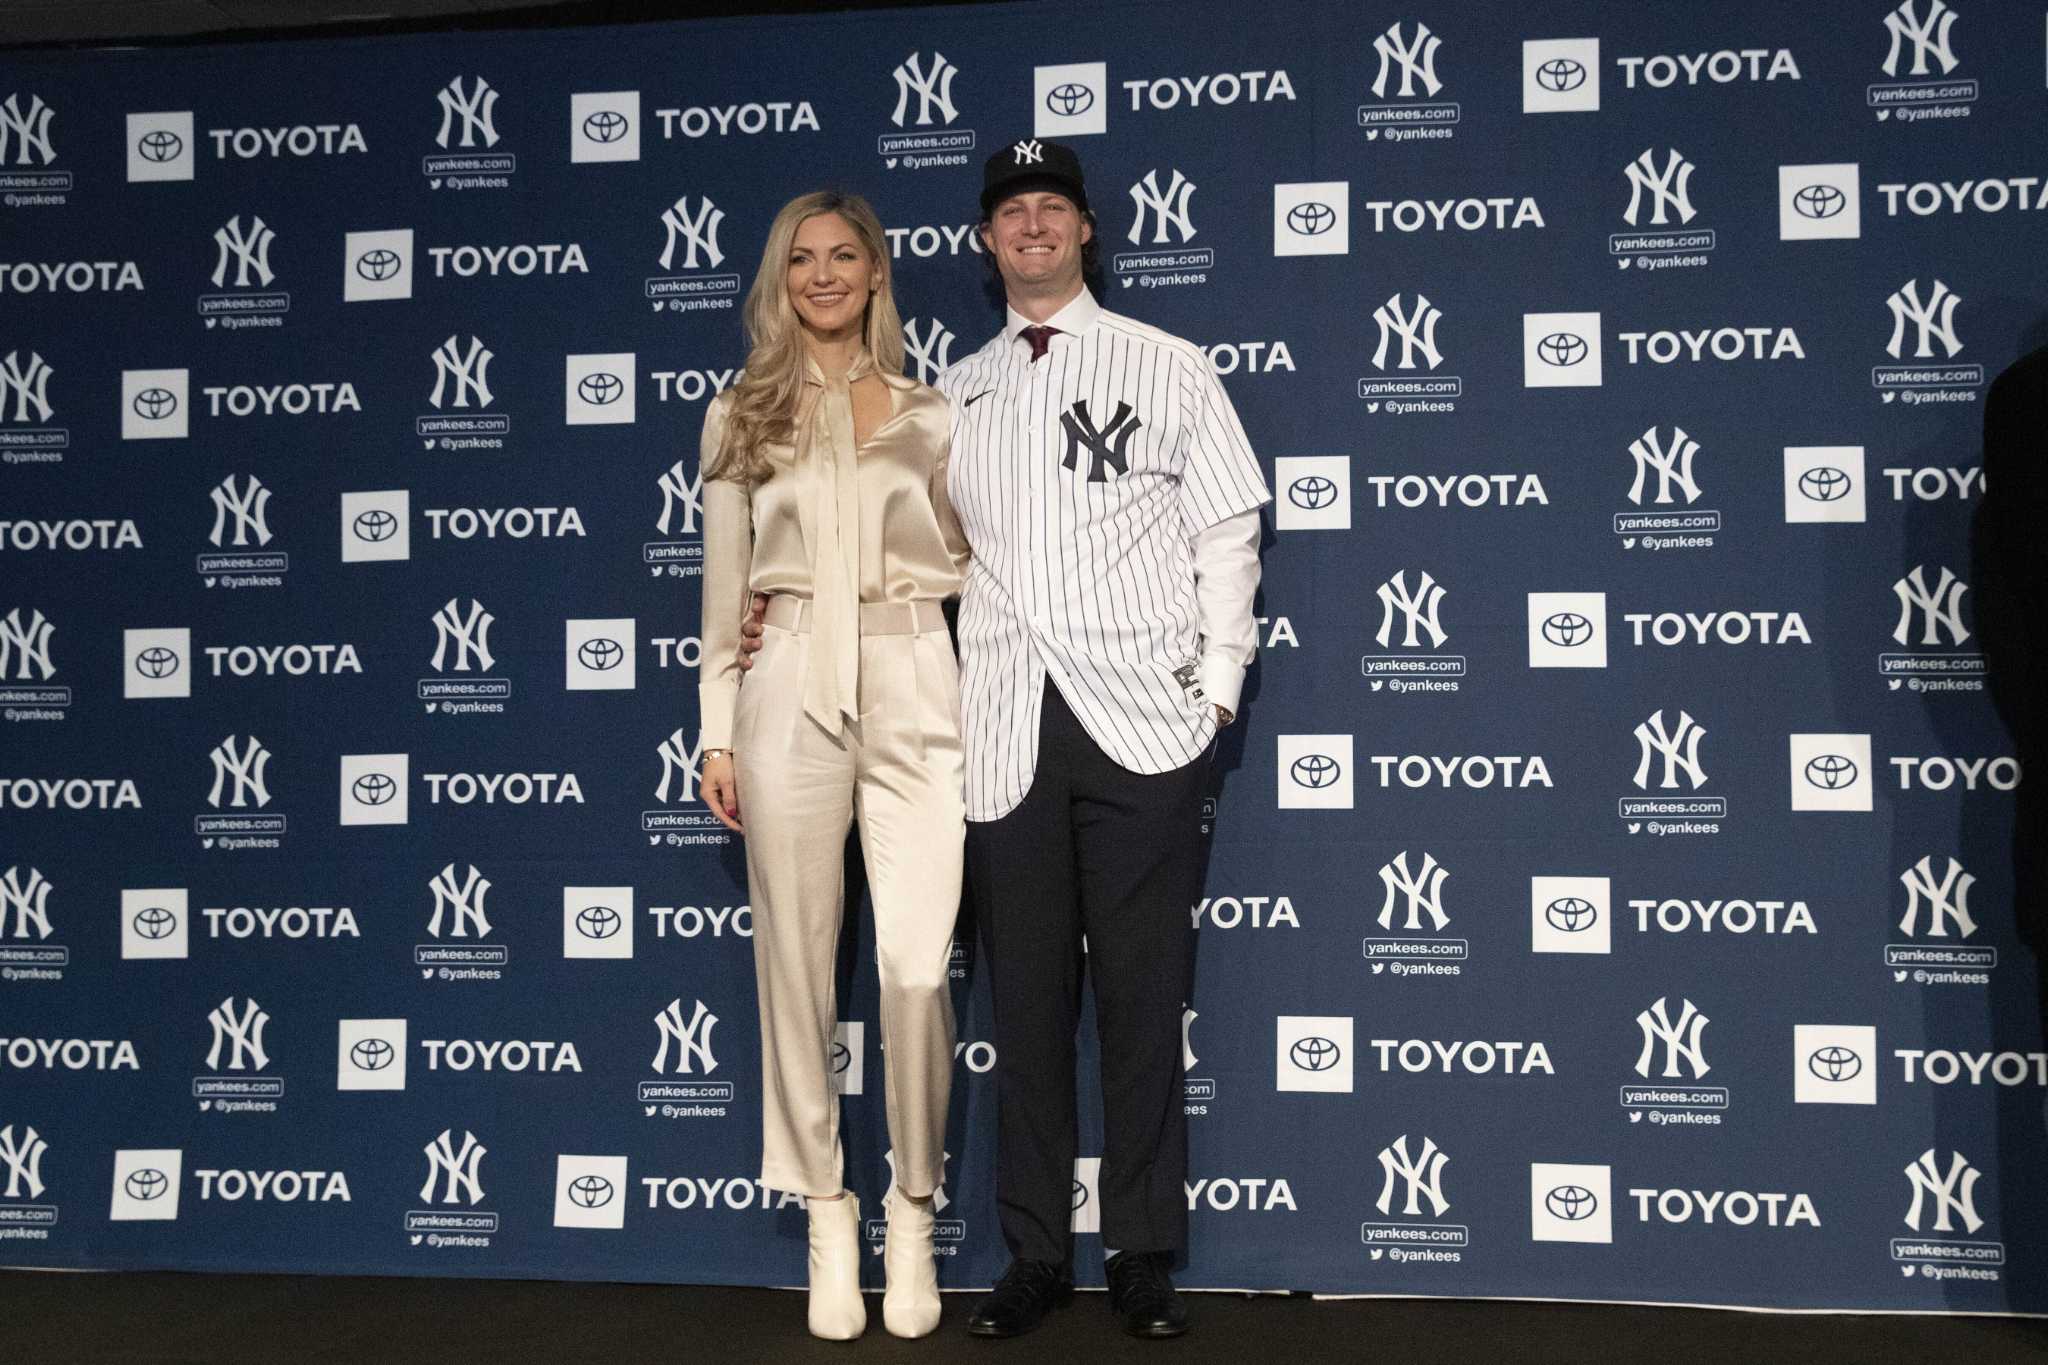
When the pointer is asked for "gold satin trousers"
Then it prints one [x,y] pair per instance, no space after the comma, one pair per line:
[897,772]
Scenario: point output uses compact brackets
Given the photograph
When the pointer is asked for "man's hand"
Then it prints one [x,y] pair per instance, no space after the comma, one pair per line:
[1223,717]
[720,786]
[750,636]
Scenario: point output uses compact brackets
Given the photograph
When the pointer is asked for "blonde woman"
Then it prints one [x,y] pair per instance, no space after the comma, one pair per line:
[825,490]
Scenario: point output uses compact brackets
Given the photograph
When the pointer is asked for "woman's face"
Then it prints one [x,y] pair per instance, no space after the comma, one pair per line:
[831,278]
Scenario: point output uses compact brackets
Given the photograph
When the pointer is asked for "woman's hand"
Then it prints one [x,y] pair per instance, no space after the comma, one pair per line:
[721,789]
[750,631]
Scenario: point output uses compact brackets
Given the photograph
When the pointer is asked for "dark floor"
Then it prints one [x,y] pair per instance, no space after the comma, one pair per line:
[166,1319]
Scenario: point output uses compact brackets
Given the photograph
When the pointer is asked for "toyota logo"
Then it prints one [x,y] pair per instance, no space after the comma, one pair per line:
[1311,220]
[1312,492]
[606,125]
[1830,772]
[1824,483]
[1835,1064]
[1573,1203]
[1560,74]
[373,789]
[1315,771]
[1315,1054]
[160,145]
[146,1184]
[375,525]
[597,921]
[155,404]
[372,1054]
[599,389]
[155,922]
[1819,201]
[1080,1196]
[842,1058]
[1070,99]
[1571,914]
[590,1191]
[1567,629]
[156,662]
[378,264]
[599,655]
[1561,349]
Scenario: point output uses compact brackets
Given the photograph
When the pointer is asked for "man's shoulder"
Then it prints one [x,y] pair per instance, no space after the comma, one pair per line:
[1145,334]
[962,371]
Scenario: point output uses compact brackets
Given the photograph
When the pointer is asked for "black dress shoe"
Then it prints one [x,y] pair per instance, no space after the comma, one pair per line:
[1019,1301]
[1142,1296]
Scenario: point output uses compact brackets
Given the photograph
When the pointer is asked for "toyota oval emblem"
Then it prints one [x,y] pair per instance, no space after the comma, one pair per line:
[1070,99]
[1315,1054]
[1819,201]
[1562,349]
[1311,219]
[1573,1203]
[1567,629]
[1830,772]
[606,125]
[1561,74]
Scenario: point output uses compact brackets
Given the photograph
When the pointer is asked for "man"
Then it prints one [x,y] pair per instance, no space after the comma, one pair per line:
[1111,499]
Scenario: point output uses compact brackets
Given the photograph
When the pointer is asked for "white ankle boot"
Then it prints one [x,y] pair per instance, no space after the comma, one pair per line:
[836,1310]
[910,1306]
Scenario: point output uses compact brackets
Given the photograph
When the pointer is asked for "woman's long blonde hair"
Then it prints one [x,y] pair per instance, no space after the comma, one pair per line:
[762,409]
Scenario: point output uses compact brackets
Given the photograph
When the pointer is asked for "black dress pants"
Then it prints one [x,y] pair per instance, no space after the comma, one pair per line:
[1097,850]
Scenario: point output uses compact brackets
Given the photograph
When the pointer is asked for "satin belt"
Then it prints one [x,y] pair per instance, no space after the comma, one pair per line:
[876,618]
[931,650]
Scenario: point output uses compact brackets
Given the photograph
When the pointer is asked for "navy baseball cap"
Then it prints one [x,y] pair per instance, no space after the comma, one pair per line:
[1032,164]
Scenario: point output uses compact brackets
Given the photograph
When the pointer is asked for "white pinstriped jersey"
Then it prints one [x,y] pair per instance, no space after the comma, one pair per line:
[1082,480]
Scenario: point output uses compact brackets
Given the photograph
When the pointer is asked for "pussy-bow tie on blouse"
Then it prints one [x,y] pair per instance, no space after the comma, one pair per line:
[825,446]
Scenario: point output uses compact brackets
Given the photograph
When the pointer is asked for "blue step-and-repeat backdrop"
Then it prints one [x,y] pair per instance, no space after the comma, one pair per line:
[1611,889]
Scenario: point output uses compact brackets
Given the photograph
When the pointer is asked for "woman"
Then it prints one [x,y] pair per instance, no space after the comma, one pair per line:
[825,489]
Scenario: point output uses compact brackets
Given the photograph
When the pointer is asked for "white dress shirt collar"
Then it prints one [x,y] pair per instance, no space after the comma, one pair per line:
[1078,316]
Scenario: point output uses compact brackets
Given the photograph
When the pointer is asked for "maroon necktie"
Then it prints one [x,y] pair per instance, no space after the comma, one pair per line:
[1040,338]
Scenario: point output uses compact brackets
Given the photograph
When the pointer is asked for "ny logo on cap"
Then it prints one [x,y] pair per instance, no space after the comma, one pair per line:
[1028,152]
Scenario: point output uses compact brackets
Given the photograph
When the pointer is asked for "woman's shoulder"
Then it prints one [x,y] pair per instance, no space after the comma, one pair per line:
[914,392]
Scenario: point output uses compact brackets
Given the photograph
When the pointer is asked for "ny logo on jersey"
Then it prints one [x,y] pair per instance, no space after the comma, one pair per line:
[1105,445]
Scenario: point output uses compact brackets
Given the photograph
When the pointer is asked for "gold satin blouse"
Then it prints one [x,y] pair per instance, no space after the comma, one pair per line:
[904,538]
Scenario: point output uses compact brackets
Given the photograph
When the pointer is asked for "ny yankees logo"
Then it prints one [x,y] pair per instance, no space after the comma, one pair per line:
[1106,445]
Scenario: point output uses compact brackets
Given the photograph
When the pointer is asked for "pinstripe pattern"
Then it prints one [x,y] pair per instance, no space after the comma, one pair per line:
[1089,580]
